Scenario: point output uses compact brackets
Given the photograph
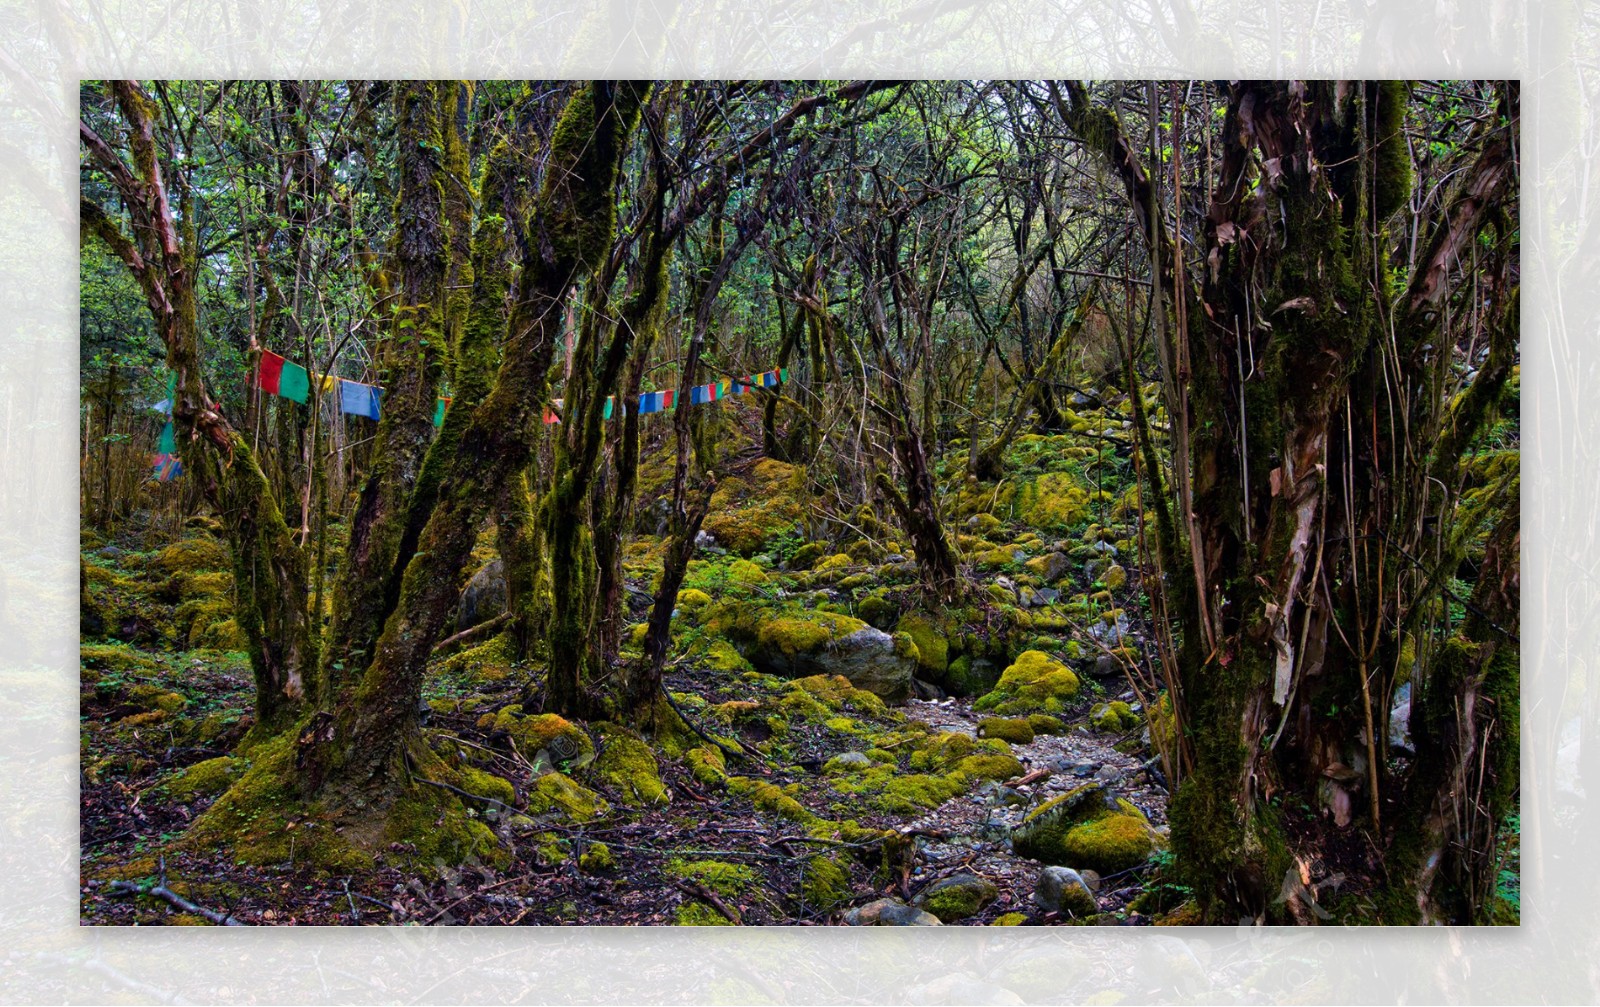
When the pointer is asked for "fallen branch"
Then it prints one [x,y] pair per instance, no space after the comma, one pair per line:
[1034,777]
[161,891]
[470,631]
[700,891]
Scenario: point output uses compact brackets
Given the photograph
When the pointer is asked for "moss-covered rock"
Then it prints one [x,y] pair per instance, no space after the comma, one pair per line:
[824,883]
[742,571]
[153,697]
[1115,716]
[1009,920]
[1035,682]
[1114,578]
[1015,730]
[558,792]
[956,898]
[806,556]
[933,646]
[814,642]
[749,511]
[1053,501]
[563,743]
[597,859]
[771,799]
[627,763]
[490,661]
[1083,829]
[707,764]
[192,555]
[877,610]
[1043,723]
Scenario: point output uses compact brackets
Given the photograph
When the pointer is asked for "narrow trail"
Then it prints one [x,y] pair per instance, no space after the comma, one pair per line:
[971,833]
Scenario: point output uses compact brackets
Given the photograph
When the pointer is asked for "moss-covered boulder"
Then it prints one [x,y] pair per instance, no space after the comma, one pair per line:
[627,763]
[824,883]
[1054,501]
[1086,828]
[826,643]
[562,743]
[956,898]
[933,645]
[1017,731]
[597,859]
[559,793]
[1035,682]
[748,511]
[1115,716]
[890,913]
[192,555]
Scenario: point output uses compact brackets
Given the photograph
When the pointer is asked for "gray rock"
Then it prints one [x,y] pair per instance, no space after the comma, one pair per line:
[866,657]
[889,913]
[1046,596]
[705,540]
[1055,564]
[956,897]
[894,558]
[1109,774]
[1063,890]
[1106,666]
[1104,548]
[484,597]
[846,762]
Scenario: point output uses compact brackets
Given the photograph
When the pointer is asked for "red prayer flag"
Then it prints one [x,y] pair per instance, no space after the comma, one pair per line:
[270,372]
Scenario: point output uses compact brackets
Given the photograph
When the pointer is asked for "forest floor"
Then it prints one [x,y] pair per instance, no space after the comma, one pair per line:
[798,796]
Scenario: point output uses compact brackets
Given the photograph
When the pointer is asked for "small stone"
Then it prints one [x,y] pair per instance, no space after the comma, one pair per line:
[1046,596]
[889,913]
[1063,890]
[1109,774]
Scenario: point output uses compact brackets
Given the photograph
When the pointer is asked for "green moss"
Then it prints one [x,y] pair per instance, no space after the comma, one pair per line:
[836,693]
[1009,920]
[731,880]
[942,750]
[204,779]
[152,697]
[877,610]
[1035,682]
[559,792]
[833,565]
[192,555]
[707,763]
[1080,831]
[933,647]
[698,914]
[998,557]
[918,792]
[564,743]
[596,859]
[476,781]
[824,883]
[805,633]
[490,661]
[1043,723]
[958,898]
[627,763]
[720,655]
[1115,716]
[1052,501]
[692,599]
[1108,844]
[988,767]
[742,571]
[806,556]
[1016,731]
[771,799]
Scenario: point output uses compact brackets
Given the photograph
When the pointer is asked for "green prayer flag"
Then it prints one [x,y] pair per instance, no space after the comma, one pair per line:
[438,412]
[294,383]
[169,444]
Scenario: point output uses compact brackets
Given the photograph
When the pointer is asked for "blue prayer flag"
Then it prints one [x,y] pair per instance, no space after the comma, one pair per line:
[359,399]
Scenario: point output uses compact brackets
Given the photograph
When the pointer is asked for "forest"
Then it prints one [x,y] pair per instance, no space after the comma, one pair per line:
[1042,503]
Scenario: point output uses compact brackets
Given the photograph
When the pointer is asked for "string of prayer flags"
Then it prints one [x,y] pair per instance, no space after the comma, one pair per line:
[439,410]
[358,399]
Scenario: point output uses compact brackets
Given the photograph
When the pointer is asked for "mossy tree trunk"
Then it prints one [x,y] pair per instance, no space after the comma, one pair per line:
[269,569]
[426,253]
[358,756]
[1282,370]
